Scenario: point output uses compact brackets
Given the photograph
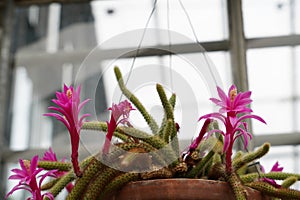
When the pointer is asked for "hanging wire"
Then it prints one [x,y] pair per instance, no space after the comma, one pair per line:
[141,41]
[169,46]
[197,40]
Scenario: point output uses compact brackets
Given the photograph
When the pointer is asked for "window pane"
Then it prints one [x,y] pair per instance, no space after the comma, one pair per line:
[270,79]
[266,18]
[44,36]
[114,18]
[199,12]
[297,16]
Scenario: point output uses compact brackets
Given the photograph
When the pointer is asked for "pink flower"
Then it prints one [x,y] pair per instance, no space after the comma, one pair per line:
[51,156]
[28,179]
[235,127]
[235,107]
[119,115]
[69,106]
[275,168]
[198,139]
[233,102]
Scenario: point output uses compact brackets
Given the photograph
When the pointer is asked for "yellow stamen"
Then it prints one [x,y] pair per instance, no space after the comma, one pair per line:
[27,164]
[69,93]
[233,94]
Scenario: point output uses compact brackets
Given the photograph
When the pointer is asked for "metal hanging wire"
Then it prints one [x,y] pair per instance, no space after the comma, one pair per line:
[197,40]
[141,40]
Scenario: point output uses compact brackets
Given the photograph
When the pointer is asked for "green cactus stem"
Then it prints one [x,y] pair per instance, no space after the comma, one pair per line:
[236,186]
[95,125]
[89,172]
[97,185]
[180,168]
[279,175]
[149,119]
[270,190]
[251,156]
[237,156]
[128,146]
[217,172]
[117,183]
[62,183]
[160,173]
[102,126]
[289,181]
[165,102]
[66,179]
[49,184]
[172,101]
[200,165]
[154,141]
[169,111]
[216,159]
[168,130]
[49,165]
[247,178]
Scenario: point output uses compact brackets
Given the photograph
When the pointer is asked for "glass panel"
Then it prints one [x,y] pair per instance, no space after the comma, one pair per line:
[199,11]
[297,16]
[44,35]
[270,79]
[296,86]
[266,18]
[109,14]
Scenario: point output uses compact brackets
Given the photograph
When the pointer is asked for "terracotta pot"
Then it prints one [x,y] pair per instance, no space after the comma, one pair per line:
[185,189]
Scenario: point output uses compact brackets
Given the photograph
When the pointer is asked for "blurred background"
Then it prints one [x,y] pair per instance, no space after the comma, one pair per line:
[254,44]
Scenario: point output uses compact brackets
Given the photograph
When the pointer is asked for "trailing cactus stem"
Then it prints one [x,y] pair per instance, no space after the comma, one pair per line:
[118,182]
[93,167]
[160,173]
[149,119]
[216,158]
[247,178]
[175,145]
[95,125]
[237,156]
[289,181]
[172,101]
[154,141]
[97,185]
[251,156]
[123,147]
[62,183]
[102,126]
[167,131]
[199,166]
[165,102]
[279,175]
[49,184]
[270,190]
[49,165]
[237,187]
[66,179]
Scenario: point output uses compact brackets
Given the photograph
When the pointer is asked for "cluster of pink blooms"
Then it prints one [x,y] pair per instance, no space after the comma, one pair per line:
[67,111]
[30,173]
[234,105]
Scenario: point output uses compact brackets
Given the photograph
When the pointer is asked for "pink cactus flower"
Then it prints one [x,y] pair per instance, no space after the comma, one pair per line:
[275,168]
[69,106]
[119,115]
[235,107]
[51,156]
[28,179]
